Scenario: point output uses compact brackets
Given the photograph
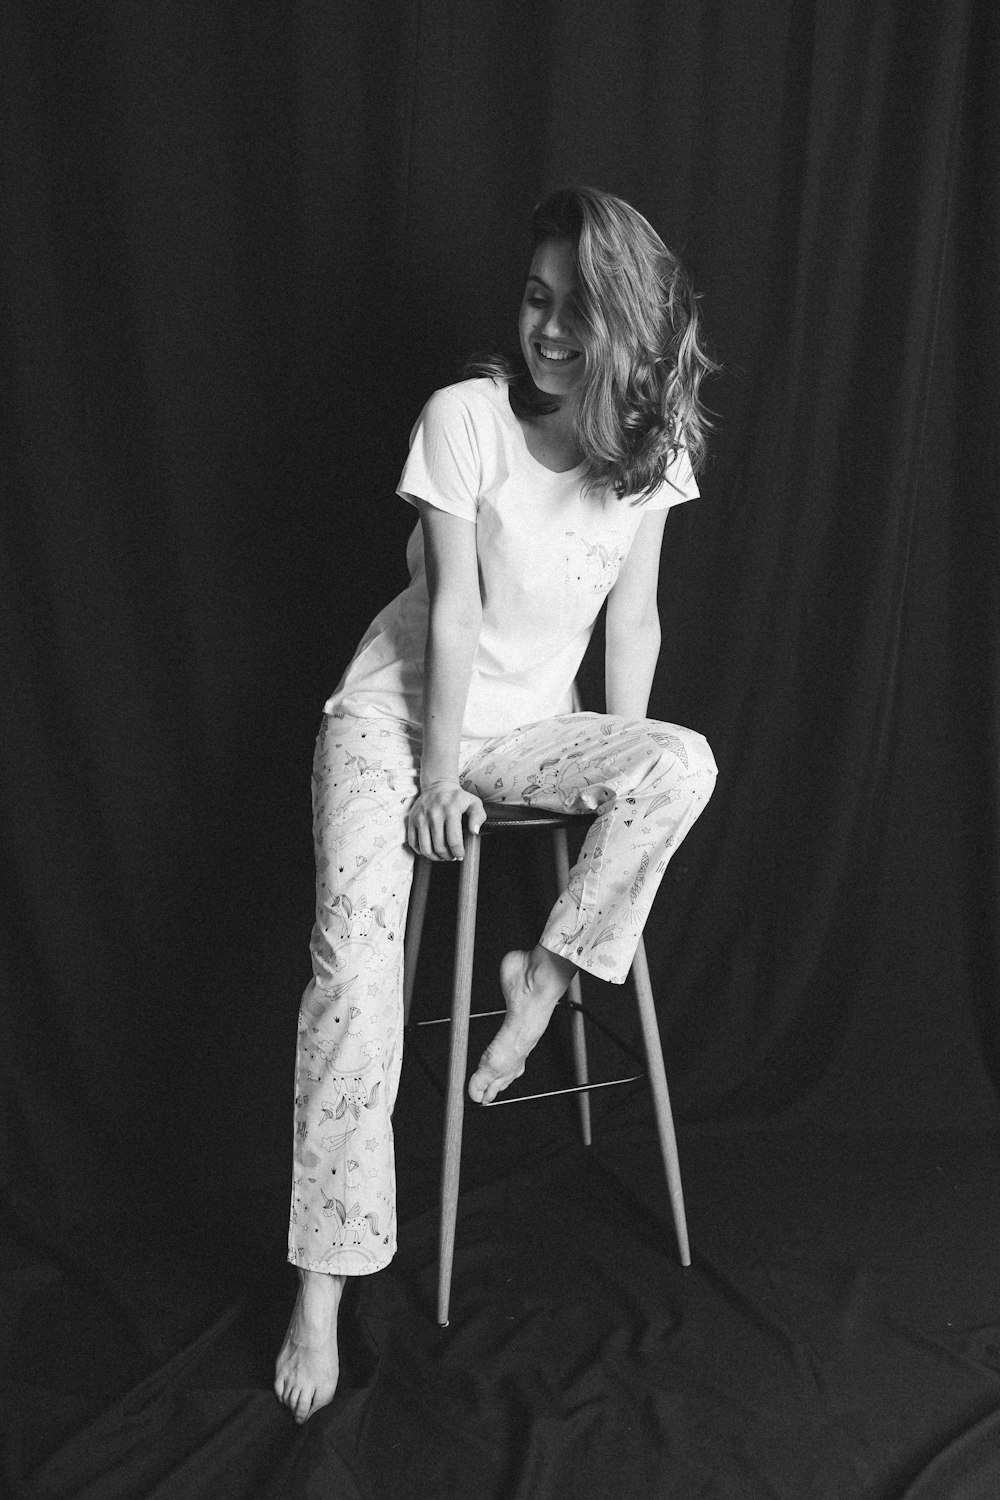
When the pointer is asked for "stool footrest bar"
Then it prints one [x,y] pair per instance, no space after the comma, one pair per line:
[612,1036]
[578,1088]
[476,1015]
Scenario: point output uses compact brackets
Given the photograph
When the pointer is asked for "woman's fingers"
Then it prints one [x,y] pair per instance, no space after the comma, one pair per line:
[435,828]
[446,825]
[419,835]
[454,834]
[433,838]
[476,814]
[428,835]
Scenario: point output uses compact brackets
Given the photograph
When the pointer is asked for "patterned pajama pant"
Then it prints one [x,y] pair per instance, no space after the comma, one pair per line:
[647,782]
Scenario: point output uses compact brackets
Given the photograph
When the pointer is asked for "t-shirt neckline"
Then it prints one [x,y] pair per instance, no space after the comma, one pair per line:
[532,460]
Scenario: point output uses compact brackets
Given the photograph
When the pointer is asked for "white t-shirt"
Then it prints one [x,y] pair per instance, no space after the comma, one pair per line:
[548,555]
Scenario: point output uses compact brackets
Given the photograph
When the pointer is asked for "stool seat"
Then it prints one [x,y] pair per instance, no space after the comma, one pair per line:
[513,815]
[502,817]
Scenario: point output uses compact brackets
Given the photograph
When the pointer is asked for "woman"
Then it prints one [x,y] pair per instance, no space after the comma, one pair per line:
[539,494]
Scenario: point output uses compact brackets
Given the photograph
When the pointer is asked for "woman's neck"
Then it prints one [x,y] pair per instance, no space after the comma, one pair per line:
[551,438]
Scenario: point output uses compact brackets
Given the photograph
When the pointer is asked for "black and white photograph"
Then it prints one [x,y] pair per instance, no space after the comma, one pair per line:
[500,801]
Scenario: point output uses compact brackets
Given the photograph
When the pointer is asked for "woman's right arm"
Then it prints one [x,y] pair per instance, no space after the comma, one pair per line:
[434,822]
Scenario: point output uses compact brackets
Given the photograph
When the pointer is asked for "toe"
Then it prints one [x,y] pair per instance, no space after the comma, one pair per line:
[479,1082]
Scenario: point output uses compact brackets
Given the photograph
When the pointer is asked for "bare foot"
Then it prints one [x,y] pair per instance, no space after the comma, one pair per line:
[532,984]
[308,1365]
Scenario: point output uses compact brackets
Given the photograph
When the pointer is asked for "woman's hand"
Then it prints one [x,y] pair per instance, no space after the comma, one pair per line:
[434,821]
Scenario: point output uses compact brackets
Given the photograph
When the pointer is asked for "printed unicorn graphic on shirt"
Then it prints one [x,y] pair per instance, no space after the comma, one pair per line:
[592,565]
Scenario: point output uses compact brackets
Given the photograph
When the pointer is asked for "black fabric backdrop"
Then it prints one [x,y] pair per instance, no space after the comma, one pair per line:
[240,246]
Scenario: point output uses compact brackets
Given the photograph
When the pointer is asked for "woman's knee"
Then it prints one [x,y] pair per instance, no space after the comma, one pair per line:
[686,746]
[700,755]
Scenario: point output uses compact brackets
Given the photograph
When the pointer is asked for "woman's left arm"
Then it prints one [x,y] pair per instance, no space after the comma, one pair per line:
[632,627]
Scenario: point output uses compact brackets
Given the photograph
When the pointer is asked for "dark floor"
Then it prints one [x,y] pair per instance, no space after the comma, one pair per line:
[837,1336]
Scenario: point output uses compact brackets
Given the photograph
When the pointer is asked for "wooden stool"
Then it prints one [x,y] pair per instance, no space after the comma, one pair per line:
[511,819]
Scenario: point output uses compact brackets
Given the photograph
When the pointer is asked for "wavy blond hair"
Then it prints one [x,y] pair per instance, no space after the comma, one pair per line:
[637,321]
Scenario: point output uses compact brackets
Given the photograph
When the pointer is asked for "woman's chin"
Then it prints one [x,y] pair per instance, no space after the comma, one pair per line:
[552,382]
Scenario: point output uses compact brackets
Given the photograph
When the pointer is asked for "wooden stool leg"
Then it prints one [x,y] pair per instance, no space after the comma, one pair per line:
[414,930]
[576,995]
[661,1097]
[465,943]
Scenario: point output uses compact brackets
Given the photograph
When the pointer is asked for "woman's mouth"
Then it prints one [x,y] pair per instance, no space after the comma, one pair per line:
[554,355]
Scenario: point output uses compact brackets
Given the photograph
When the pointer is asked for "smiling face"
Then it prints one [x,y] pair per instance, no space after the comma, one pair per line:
[550,343]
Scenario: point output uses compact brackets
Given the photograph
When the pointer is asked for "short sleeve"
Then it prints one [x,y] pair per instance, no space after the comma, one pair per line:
[444,466]
[678,484]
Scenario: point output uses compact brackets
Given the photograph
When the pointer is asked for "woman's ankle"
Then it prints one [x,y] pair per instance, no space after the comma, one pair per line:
[549,973]
[321,1285]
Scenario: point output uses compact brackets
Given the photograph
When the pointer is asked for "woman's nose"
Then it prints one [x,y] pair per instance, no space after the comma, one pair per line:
[555,324]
